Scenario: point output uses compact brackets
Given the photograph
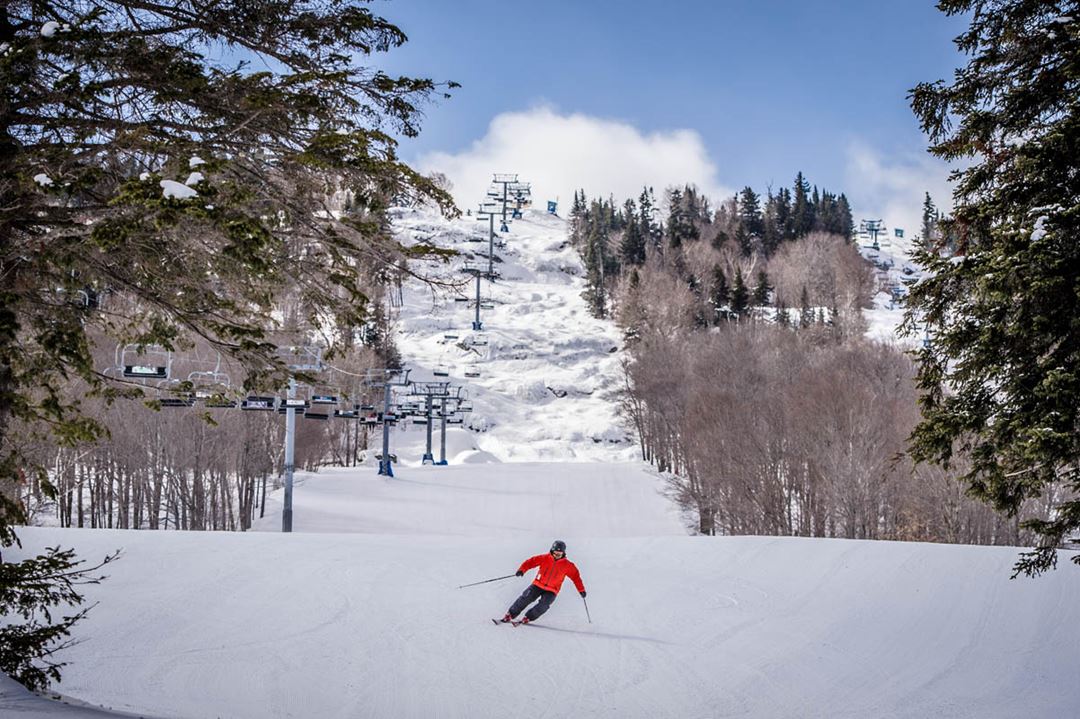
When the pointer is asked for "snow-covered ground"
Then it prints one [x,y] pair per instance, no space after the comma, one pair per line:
[324,623]
[894,271]
[547,370]
[358,613]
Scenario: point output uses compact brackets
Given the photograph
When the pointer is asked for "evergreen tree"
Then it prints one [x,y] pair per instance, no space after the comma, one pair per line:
[632,248]
[578,217]
[806,312]
[594,253]
[783,319]
[740,295]
[847,222]
[701,319]
[681,227]
[762,290]
[750,219]
[191,191]
[719,295]
[802,213]
[777,221]
[647,223]
[930,219]
[1002,375]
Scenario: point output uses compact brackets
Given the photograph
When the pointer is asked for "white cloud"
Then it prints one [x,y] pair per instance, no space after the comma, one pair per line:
[893,189]
[561,153]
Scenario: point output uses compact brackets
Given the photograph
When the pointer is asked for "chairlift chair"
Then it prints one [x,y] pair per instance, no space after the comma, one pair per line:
[441,371]
[324,399]
[472,373]
[147,362]
[256,403]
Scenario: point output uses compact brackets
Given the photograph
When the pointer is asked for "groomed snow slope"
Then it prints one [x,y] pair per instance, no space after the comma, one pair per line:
[372,624]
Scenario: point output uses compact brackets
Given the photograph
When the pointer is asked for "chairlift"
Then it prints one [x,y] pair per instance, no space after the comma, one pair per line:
[479,342]
[367,408]
[346,414]
[465,407]
[472,373]
[461,299]
[256,403]
[420,420]
[309,414]
[441,371]
[487,305]
[146,362]
[324,399]
[455,420]
[450,338]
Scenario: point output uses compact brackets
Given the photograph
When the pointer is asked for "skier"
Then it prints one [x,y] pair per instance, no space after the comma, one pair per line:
[554,568]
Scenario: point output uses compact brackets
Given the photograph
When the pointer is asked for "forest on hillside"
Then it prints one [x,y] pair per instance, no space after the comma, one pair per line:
[749,382]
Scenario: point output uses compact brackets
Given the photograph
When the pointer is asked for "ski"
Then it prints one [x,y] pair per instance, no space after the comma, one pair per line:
[497,622]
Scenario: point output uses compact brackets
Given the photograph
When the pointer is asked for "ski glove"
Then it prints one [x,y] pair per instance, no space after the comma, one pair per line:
[582,595]
[519,573]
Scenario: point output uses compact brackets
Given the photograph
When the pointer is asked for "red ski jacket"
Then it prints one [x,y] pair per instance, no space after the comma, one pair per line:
[552,572]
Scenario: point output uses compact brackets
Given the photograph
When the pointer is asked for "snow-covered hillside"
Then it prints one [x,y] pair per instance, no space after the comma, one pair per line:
[547,370]
[327,624]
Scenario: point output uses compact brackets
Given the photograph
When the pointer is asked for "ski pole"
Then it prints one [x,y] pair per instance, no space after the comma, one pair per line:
[486,581]
[587,610]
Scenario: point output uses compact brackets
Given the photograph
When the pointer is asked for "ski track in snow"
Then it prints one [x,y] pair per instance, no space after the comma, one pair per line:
[358,614]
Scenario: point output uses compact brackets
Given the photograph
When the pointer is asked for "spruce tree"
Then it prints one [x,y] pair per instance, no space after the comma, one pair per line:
[750,215]
[719,295]
[1001,378]
[802,212]
[632,247]
[762,290]
[847,222]
[806,312]
[929,220]
[740,295]
[143,165]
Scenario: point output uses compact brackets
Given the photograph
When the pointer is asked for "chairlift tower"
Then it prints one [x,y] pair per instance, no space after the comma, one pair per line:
[505,180]
[871,229]
[450,404]
[430,391]
[477,325]
[486,211]
[387,378]
[299,359]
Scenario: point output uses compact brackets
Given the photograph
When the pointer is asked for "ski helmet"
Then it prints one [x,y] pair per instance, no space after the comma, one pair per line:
[558,546]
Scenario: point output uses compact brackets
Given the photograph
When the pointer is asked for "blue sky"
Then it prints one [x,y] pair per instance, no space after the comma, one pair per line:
[765,87]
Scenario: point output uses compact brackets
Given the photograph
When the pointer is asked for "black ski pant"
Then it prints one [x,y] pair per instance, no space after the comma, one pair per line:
[529,596]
